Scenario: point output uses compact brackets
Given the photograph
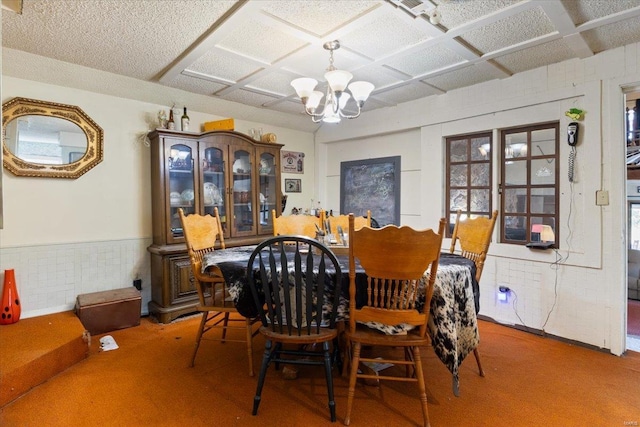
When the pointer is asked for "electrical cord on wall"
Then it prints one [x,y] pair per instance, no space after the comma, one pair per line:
[560,260]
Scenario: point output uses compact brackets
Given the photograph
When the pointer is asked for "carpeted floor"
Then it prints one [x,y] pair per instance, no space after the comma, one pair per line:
[530,381]
[633,318]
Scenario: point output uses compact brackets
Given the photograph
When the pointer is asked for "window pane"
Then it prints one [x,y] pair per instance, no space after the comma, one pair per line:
[480,174]
[469,180]
[543,142]
[530,183]
[515,200]
[458,200]
[543,172]
[515,173]
[458,151]
[480,200]
[458,177]
[480,148]
[514,228]
[515,145]
[543,200]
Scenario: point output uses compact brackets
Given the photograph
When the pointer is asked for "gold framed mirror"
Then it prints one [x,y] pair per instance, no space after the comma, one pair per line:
[46,139]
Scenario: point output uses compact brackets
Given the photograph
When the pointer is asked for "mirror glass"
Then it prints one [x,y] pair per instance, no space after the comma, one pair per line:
[45,139]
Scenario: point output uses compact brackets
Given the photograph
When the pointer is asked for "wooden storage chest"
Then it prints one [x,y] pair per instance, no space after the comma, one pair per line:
[107,311]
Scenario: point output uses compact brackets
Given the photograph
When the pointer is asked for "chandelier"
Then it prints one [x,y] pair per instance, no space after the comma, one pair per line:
[336,95]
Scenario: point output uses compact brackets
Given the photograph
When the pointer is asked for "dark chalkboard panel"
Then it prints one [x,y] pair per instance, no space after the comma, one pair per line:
[371,184]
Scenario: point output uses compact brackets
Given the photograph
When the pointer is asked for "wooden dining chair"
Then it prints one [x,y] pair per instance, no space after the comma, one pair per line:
[343,221]
[291,306]
[474,236]
[201,233]
[299,225]
[394,260]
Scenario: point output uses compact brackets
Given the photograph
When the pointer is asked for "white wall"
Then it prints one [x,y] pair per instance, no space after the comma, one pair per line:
[578,292]
[68,237]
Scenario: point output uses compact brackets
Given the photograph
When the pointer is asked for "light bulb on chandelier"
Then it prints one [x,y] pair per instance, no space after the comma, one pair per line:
[336,95]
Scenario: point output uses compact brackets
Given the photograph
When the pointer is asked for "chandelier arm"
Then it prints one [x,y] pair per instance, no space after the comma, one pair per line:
[352,116]
[314,116]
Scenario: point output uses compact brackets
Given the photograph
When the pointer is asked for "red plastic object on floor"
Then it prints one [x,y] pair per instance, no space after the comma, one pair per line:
[10,303]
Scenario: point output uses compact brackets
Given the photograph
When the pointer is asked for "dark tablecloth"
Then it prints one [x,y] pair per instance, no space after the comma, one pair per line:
[453,324]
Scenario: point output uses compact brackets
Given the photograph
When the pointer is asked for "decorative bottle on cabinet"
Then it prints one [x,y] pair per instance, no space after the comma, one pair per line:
[10,303]
[185,120]
[171,125]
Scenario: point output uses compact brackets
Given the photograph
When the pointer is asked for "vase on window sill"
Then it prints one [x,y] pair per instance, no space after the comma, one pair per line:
[10,302]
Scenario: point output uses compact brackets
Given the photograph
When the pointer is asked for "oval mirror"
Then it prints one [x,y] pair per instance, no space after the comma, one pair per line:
[46,139]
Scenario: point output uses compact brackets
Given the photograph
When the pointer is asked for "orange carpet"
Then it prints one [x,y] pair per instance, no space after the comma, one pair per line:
[530,381]
[35,349]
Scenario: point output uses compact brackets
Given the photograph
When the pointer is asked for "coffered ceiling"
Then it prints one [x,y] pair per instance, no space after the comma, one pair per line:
[249,51]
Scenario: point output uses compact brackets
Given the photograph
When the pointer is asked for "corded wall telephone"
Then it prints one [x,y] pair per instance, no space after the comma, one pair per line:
[572,133]
[572,140]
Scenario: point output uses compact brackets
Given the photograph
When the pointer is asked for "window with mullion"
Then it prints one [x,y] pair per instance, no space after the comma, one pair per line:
[468,183]
[529,184]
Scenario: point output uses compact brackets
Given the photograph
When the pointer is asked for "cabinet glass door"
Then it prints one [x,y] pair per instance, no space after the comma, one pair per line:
[213,183]
[267,187]
[181,187]
[243,210]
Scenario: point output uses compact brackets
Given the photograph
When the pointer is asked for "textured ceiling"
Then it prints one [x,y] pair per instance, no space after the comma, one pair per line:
[249,51]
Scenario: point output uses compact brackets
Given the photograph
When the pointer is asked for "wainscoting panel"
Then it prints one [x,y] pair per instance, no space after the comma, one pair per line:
[50,277]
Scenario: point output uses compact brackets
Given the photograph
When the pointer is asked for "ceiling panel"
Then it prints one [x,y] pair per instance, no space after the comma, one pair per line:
[534,57]
[249,51]
[509,31]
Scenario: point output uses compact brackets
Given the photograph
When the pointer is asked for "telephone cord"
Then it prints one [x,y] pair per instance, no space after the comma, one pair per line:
[572,160]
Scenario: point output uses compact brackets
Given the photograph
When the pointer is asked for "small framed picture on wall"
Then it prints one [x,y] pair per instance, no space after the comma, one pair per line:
[292,162]
[293,185]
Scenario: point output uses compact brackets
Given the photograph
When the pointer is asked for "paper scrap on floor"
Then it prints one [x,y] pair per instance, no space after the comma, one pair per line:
[377,366]
[108,343]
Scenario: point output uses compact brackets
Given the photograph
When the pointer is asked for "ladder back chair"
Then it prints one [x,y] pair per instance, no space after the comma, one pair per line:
[394,260]
[297,309]
[474,236]
[214,302]
[299,225]
[343,222]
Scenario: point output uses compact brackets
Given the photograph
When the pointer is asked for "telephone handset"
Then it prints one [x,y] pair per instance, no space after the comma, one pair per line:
[572,140]
[572,133]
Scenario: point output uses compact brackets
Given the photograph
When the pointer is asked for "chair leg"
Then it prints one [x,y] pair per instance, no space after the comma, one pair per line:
[346,365]
[477,355]
[355,362]
[199,337]
[224,325]
[328,375]
[263,372]
[250,346]
[423,389]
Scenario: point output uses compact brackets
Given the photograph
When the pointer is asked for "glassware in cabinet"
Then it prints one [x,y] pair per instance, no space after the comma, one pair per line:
[214,183]
[181,185]
[243,189]
[267,187]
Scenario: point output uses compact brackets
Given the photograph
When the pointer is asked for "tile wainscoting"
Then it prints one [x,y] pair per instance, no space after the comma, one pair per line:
[50,277]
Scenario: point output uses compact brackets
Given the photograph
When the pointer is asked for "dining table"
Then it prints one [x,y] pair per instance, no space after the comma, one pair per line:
[453,326]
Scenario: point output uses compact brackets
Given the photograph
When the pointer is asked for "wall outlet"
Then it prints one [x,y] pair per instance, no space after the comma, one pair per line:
[138,284]
[503,294]
[602,198]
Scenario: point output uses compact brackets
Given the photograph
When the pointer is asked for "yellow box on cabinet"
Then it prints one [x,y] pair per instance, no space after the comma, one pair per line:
[226,124]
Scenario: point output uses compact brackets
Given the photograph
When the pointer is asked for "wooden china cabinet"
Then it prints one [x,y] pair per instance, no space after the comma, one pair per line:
[197,172]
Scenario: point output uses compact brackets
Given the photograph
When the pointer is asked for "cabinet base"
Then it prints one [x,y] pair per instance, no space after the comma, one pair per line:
[169,314]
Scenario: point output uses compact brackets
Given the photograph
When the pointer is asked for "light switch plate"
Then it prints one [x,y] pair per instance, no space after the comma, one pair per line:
[602,198]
